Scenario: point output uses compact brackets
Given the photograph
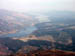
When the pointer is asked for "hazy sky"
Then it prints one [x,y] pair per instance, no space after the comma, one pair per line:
[38,5]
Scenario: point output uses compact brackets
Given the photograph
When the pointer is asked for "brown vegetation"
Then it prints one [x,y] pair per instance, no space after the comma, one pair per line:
[47,53]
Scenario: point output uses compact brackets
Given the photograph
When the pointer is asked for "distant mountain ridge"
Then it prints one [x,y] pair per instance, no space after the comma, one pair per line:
[12,23]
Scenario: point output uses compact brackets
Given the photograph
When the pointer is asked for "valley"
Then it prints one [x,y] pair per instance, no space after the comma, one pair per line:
[22,34]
